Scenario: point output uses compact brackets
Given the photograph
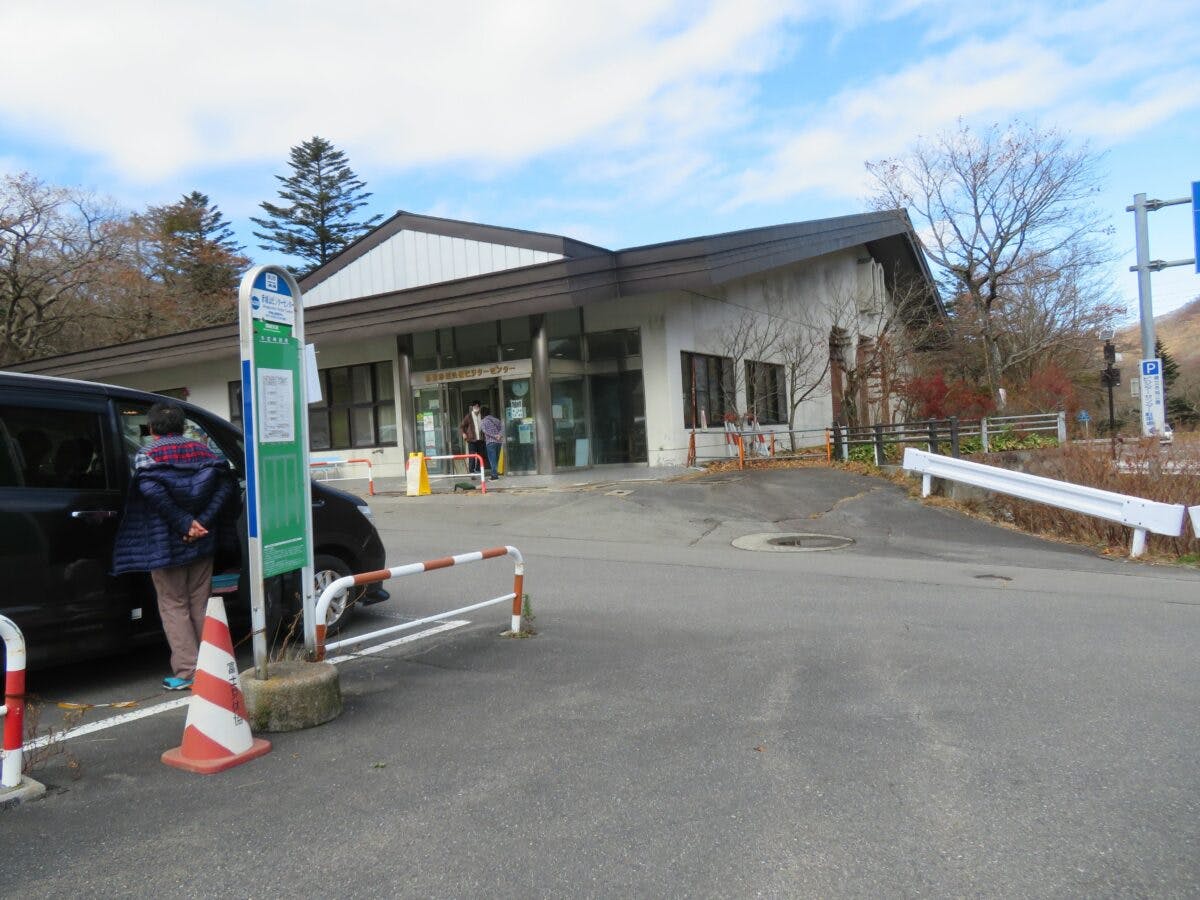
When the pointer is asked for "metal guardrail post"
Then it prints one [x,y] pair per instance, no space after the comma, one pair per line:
[954,437]
[933,436]
[879,455]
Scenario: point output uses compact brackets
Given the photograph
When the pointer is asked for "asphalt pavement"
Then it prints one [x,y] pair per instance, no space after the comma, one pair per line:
[940,708]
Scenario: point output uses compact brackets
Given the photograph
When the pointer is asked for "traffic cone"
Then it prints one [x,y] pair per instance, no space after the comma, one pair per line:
[216,736]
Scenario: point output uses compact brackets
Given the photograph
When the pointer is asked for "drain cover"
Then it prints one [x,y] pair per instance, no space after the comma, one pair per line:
[793,543]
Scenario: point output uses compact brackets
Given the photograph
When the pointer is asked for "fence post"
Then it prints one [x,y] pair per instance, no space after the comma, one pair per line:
[879,457]
[837,440]
[1062,427]
[954,437]
[933,436]
[846,444]
[983,435]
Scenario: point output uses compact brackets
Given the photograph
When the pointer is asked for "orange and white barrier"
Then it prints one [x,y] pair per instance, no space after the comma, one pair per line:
[12,712]
[336,587]
[216,736]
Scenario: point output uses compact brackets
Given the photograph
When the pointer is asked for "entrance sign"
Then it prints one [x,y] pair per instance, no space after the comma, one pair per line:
[275,418]
[1154,416]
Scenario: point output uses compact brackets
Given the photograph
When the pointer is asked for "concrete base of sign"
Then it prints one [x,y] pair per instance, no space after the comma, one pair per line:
[27,790]
[295,695]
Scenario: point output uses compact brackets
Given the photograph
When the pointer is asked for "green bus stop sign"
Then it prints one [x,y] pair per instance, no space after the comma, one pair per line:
[275,419]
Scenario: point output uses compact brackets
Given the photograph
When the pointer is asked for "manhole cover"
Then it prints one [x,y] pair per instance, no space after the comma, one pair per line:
[792,543]
[620,493]
[990,577]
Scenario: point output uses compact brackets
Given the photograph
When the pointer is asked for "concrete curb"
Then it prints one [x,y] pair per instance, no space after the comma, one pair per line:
[296,695]
[27,790]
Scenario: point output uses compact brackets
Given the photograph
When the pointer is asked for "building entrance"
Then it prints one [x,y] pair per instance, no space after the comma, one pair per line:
[440,410]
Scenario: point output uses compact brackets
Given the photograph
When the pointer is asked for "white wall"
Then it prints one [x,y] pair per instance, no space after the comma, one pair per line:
[696,323]
[410,259]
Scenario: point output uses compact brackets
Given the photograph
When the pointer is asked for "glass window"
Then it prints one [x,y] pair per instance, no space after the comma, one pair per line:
[476,344]
[51,448]
[617,344]
[766,395]
[571,446]
[135,434]
[708,390]
[447,356]
[360,402]
[515,341]
[563,331]
[424,351]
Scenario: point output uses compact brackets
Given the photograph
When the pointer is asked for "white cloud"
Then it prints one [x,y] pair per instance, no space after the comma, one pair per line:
[156,88]
[1074,69]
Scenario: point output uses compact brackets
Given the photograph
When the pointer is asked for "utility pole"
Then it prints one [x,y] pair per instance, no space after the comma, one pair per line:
[1145,265]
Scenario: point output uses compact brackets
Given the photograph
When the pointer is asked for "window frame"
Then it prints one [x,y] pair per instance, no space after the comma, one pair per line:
[774,411]
[327,410]
[713,391]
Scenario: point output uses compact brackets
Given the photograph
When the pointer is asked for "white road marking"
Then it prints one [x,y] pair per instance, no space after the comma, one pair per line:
[133,716]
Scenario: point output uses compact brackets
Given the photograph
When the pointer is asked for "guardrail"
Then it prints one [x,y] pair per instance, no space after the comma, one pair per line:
[12,710]
[321,466]
[932,431]
[334,587]
[1141,515]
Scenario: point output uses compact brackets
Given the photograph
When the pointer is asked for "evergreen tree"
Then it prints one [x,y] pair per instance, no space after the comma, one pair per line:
[316,220]
[191,248]
[1170,368]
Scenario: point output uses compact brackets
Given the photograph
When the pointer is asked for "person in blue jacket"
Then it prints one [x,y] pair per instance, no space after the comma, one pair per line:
[181,499]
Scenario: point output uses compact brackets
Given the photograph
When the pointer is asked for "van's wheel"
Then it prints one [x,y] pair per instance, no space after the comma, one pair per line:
[326,570]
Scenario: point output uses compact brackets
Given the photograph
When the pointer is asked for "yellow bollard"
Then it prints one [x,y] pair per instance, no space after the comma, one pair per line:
[417,476]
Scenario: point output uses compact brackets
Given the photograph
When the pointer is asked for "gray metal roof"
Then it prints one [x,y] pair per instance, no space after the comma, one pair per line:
[587,274]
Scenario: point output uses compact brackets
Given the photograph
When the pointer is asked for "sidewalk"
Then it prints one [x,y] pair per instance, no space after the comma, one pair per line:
[573,480]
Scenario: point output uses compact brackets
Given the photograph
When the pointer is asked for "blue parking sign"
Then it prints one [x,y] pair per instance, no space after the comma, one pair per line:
[1150,366]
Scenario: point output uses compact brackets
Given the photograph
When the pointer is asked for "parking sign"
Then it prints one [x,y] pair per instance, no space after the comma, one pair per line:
[1154,415]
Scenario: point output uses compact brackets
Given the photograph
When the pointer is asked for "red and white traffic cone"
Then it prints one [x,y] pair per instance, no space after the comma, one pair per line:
[216,736]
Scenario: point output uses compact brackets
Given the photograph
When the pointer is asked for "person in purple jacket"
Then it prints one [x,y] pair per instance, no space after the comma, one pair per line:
[493,434]
[181,497]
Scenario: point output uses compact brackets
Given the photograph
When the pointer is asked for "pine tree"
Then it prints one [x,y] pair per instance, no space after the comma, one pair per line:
[316,220]
[1170,368]
[192,248]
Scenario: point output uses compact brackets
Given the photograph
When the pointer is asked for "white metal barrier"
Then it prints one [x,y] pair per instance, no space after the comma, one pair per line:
[334,587]
[12,710]
[1140,515]
[323,469]
[1194,512]
[481,473]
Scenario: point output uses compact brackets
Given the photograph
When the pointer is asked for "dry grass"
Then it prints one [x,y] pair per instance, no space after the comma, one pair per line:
[1165,474]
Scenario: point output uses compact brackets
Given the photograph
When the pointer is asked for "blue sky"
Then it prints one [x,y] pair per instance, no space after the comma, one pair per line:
[620,123]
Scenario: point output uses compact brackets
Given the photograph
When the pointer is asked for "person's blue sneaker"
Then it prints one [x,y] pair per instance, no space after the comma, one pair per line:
[173,683]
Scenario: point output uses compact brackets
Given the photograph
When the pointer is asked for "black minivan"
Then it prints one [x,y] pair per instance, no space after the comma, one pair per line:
[66,456]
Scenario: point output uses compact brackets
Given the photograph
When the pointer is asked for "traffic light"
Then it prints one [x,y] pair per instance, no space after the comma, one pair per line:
[1110,377]
[1110,353]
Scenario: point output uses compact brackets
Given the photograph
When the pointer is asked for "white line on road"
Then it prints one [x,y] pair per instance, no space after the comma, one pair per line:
[125,718]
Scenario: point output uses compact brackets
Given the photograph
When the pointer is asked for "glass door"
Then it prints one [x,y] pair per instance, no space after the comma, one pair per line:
[520,441]
[433,426]
[572,444]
